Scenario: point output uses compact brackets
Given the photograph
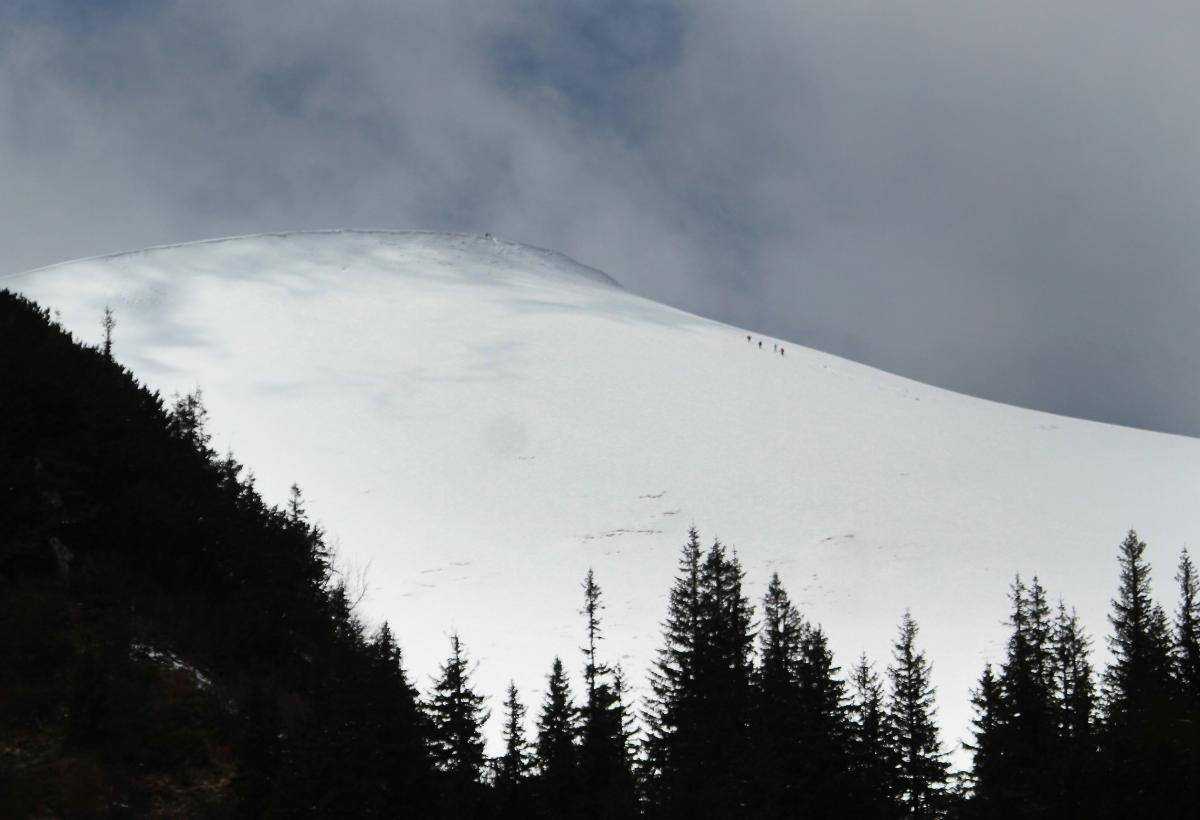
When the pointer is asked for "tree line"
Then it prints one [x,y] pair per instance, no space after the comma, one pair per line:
[125,539]
[749,716]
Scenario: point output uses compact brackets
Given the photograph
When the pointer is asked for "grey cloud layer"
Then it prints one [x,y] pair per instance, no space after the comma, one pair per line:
[998,198]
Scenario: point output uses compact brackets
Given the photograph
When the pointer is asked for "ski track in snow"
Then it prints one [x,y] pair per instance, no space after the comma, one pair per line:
[482,421]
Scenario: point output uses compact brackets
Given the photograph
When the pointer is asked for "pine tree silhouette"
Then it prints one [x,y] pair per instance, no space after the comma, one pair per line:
[108,323]
[457,715]
[724,682]
[629,728]
[672,714]
[394,735]
[514,766]
[1140,642]
[873,760]
[1034,748]
[516,762]
[295,504]
[1027,732]
[987,765]
[1187,631]
[699,717]
[607,784]
[1075,761]
[593,670]
[922,768]
[802,728]
[1187,665]
[826,729]
[188,422]
[1138,692]
[557,751]
[780,781]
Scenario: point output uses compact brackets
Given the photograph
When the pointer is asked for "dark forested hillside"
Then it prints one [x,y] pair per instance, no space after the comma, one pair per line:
[171,643]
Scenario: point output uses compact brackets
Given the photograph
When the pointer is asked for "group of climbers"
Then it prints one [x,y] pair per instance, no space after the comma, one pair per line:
[778,348]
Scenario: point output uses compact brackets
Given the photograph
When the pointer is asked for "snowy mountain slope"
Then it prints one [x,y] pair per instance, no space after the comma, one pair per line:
[482,421]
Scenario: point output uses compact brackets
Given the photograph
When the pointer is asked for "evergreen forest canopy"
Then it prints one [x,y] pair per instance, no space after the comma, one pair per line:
[174,645]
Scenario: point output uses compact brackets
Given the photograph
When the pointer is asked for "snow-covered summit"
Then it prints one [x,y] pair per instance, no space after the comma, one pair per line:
[482,421]
[472,252]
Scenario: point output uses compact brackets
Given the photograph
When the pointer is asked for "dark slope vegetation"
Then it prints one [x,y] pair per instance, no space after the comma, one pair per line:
[170,643]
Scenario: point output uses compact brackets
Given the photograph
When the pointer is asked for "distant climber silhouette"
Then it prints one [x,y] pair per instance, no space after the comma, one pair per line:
[781,350]
[747,337]
[760,343]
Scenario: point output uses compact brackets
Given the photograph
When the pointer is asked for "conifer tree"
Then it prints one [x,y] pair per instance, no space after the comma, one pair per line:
[626,791]
[778,726]
[724,684]
[825,725]
[1025,728]
[399,736]
[593,670]
[873,761]
[515,763]
[1033,740]
[629,730]
[1074,680]
[922,768]
[1143,767]
[1187,664]
[390,661]
[109,322]
[347,629]
[457,715]
[699,715]
[295,504]
[1140,643]
[1187,632]
[606,776]
[1075,704]
[513,767]
[987,765]
[672,715]
[188,422]
[802,730]
[557,753]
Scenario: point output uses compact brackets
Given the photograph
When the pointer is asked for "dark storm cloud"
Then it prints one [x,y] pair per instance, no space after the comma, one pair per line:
[588,52]
[998,198]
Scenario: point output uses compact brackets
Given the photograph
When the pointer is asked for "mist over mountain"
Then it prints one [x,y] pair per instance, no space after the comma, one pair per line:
[995,198]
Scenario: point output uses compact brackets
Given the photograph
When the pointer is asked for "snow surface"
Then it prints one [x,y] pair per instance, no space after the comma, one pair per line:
[482,421]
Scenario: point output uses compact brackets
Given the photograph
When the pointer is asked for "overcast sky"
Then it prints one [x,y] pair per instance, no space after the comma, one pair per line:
[1000,198]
